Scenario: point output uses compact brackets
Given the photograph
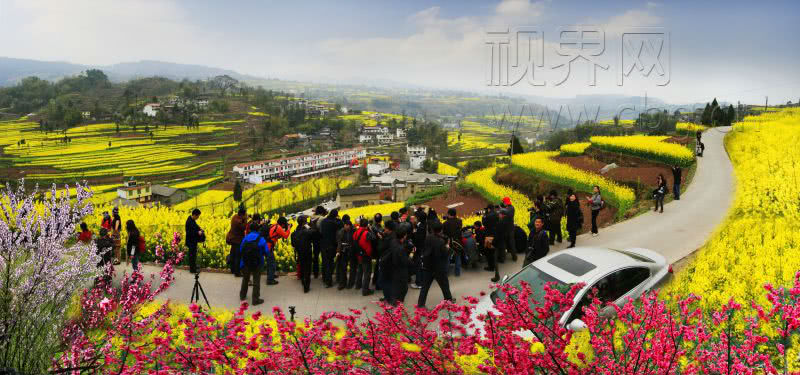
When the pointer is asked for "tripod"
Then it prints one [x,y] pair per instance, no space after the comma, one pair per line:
[198,290]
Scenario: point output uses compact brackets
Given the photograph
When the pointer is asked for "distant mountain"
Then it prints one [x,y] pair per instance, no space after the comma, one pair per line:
[13,70]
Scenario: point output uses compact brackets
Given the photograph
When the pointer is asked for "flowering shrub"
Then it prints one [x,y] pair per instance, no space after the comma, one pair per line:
[121,331]
[446,169]
[39,273]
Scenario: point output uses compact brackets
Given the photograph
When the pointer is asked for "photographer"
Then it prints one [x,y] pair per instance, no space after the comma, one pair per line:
[556,209]
[396,264]
[363,239]
[382,273]
[509,235]
[417,234]
[301,241]
[234,238]
[452,231]
[435,259]
[345,254]
[328,228]
[316,237]
[490,222]
[660,192]
[276,232]
[377,239]
[194,235]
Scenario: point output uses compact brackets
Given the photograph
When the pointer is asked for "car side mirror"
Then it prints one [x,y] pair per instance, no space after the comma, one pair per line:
[576,325]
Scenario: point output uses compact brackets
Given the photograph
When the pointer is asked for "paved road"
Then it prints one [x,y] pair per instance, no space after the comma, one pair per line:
[684,226]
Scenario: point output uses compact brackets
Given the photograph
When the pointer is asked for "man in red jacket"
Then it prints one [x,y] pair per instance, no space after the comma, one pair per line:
[363,239]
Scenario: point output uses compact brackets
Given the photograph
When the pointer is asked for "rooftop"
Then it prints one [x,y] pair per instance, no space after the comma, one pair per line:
[360,191]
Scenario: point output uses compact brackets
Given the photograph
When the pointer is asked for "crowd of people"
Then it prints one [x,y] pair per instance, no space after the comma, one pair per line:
[409,249]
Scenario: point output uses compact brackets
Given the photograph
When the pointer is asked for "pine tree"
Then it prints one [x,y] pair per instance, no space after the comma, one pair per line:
[705,118]
[731,115]
[237,192]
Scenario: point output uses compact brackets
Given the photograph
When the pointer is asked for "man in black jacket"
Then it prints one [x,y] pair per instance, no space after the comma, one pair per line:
[194,235]
[490,222]
[538,243]
[556,210]
[384,275]
[301,241]
[345,254]
[452,231]
[434,265]
[398,265]
[327,229]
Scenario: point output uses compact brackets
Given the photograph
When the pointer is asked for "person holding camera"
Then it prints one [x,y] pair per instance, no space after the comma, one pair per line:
[556,209]
[301,241]
[316,237]
[660,192]
[377,246]
[574,218]
[344,254]
[194,236]
[452,232]
[328,228]
[396,264]
[510,240]
[234,238]
[275,233]
[363,239]
[435,259]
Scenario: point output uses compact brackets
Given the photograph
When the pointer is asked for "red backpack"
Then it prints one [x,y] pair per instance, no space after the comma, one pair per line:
[141,248]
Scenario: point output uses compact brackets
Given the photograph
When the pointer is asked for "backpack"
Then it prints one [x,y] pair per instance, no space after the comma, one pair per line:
[251,254]
[360,251]
[140,249]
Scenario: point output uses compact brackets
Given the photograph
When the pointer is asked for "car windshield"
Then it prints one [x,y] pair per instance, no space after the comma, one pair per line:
[536,279]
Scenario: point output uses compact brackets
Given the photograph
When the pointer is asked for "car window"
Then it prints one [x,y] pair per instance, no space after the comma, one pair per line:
[536,279]
[611,288]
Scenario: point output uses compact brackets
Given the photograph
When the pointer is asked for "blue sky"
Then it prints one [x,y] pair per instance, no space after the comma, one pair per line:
[735,50]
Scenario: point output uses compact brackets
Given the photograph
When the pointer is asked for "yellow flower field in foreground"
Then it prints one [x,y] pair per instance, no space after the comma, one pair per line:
[760,240]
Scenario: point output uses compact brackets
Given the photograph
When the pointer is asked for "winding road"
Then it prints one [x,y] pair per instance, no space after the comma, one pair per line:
[685,226]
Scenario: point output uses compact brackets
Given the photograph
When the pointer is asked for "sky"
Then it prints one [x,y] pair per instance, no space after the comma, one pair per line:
[692,50]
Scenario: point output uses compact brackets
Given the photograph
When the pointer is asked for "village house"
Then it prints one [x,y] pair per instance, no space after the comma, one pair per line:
[151,109]
[358,197]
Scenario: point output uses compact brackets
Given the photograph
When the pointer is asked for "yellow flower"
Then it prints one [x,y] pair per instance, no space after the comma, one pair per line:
[537,348]
[409,347]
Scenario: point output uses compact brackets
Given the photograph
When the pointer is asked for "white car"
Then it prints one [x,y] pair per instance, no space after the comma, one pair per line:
[617,274]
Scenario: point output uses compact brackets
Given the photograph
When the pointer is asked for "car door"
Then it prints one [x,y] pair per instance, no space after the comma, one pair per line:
[632,282]
[614,287]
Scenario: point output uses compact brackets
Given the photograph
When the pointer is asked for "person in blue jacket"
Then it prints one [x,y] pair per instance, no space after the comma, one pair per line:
[252,266]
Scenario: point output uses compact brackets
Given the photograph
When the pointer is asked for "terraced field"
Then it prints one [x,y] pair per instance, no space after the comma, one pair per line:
[97,150]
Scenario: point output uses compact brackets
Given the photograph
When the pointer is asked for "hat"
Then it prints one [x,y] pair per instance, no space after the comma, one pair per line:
[507,201]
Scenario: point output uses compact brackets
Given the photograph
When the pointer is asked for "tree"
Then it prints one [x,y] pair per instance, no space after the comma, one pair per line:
[237,191]
[731,115]
[430,166]
[517,146]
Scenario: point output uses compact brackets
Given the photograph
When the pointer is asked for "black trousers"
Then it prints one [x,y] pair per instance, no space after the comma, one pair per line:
[315,259]
[328,256]
[398,288]
[304,257]
[555,232]
[511,245]
[594,220]
[353,263]
[192,258]
[573,236]
[441,279]
[246,273]
[235,261]
[364,274]
[342,260]
[500,249]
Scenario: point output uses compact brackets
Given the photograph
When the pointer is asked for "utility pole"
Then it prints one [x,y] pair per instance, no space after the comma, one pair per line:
[766,104]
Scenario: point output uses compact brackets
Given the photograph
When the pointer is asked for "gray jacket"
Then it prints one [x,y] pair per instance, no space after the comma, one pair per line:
[597,201]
